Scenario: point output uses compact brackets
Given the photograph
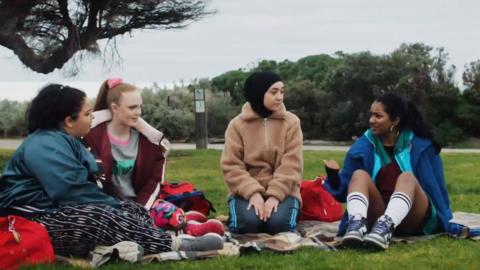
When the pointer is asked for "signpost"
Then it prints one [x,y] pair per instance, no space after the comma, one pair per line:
[200,119]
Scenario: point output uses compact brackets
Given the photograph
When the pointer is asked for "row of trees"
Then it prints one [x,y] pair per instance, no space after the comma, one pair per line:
[330,93]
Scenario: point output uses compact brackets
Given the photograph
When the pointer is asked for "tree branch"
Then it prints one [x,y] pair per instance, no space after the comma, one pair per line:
[44,36]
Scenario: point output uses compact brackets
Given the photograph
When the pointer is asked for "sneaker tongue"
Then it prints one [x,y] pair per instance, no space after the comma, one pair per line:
[386,219]
[356,217]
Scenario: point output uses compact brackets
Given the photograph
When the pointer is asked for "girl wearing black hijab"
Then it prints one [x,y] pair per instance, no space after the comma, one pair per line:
[262,160]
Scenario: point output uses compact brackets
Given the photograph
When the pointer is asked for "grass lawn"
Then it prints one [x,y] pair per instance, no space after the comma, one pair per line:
[462,172]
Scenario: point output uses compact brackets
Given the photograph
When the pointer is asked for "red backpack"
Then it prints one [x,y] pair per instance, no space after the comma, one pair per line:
[186,196]
[23,242]
[318,204]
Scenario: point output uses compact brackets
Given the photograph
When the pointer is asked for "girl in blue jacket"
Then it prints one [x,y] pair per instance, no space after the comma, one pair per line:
[51,180]
[392,180]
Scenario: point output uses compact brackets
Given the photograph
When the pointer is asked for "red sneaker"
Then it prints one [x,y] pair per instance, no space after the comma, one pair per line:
[195,228]
[195,216]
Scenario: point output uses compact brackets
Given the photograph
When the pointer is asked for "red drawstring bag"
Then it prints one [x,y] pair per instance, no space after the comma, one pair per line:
[23,242]
[318,204]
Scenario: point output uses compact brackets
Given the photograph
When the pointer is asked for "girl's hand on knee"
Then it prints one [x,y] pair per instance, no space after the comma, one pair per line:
[271,205]
[256,200]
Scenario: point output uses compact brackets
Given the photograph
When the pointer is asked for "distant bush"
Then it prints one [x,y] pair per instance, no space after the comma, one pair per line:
[220,110]
[170,111]
[12,121]
[447,133]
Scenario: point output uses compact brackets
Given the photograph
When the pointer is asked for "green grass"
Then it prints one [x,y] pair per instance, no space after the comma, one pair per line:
[462,172]
[4,156]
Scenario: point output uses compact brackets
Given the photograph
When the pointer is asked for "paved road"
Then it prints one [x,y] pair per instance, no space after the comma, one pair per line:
[305,147]
[10,143]
[14,143]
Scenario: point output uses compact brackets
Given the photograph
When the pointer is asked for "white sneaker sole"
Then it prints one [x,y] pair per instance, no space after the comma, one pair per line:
[374,242]
[352,241]
[207,242]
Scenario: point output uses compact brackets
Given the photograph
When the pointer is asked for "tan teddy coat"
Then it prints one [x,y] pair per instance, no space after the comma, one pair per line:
[263,154]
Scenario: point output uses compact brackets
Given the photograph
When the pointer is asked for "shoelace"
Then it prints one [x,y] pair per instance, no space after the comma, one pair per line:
[356,224]
[382,226]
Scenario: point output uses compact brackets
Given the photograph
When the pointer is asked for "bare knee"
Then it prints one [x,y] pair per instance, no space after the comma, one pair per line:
[407,178]
[360,176]
[360,182]
[407,183]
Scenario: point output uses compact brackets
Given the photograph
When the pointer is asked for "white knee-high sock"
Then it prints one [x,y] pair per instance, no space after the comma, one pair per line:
[398,207]
[357,204]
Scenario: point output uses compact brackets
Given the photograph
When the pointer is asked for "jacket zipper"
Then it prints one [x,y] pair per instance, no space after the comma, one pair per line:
[265,129]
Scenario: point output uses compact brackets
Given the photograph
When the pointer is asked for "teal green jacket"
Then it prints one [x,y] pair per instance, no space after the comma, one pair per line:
[50,169]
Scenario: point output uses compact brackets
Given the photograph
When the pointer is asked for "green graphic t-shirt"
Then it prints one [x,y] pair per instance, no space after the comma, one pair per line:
[124,156]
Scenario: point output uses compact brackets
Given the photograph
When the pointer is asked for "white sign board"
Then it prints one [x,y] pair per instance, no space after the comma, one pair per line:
[200,106]
[199,94]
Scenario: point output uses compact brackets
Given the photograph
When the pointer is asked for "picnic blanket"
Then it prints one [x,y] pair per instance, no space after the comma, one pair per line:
[316,234]
[282,242]
[235,245]
[98,257]
[327,231]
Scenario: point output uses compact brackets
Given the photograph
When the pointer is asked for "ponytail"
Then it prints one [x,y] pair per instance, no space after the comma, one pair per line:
[101,100]
[110,92]
[416,122]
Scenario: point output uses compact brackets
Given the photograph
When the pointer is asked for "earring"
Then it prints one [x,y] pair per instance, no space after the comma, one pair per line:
[391,128]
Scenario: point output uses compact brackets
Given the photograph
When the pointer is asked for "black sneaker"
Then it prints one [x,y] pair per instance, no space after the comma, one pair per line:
[209,241]
[381,233]
[357,228]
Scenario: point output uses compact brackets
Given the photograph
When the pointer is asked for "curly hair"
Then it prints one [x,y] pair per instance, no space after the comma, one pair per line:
[52,105]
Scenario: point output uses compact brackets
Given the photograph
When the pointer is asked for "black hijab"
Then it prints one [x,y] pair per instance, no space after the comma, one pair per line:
[256,85]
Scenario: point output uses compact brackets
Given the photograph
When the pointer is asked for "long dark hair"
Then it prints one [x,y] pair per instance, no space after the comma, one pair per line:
[409,115]
[52,105]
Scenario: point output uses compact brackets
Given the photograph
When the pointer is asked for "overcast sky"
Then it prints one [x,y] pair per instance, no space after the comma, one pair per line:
[242,32]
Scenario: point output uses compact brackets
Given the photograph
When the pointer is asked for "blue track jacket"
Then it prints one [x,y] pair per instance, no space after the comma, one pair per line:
[427,168]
